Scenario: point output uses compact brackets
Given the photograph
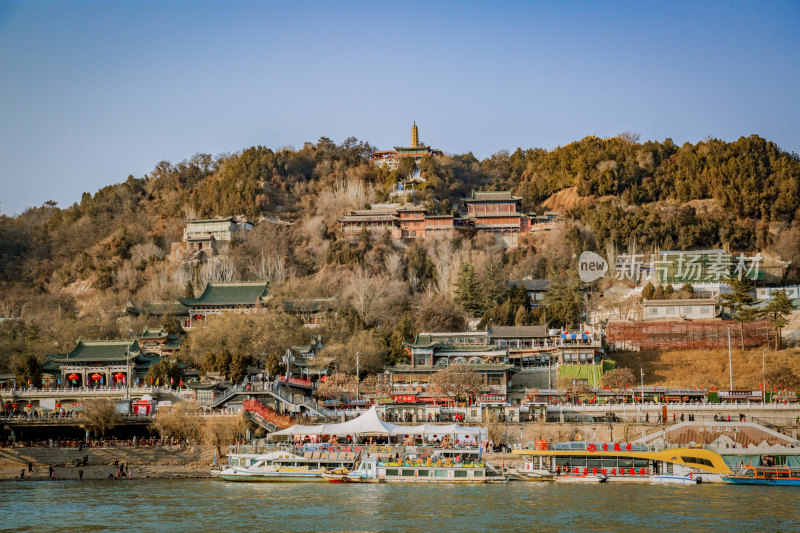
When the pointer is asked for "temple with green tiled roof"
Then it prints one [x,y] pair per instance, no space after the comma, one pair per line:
[99,363]
[159,342]
[221,297]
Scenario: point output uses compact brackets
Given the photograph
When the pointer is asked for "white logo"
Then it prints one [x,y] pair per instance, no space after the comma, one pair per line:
[591,267]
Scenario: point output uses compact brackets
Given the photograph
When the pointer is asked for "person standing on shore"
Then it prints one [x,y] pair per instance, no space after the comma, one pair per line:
[30,467]
[52,473]
[22,475]
[80,475]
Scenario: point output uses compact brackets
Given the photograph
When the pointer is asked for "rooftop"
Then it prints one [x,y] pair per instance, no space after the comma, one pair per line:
[229,294]
[107,350]
[694,301]
[492,196]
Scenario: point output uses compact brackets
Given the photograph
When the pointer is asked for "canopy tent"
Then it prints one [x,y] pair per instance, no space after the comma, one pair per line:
[436,429]
[365,424]
[370,424]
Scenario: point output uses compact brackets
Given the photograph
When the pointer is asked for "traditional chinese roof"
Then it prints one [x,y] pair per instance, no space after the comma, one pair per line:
[518,331]
[478,367]
[203,220]
[229,294]
[695,301]
[96,351]
[156,309]
[492,196]
[532,284]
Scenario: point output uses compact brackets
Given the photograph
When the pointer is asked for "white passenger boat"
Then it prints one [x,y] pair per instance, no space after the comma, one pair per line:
[688,479]
[286,466]
[466,468]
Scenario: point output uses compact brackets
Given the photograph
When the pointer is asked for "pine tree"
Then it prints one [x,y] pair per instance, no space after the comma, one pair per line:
[777,311]
[739,303]
[648,291]
[494,283]
[468,290]
[522,318]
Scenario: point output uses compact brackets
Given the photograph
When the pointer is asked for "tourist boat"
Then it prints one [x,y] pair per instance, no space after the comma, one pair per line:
[766,475]
[581,478]
[686,479]
[466,468]
[622,462]
[286,466]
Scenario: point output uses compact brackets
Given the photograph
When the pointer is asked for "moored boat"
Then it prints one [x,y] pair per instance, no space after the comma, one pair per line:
[766,475]
[283,466]
[686,479]
[467,468]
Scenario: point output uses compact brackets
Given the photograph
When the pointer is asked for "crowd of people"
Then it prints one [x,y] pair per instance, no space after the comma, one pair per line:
[81,444]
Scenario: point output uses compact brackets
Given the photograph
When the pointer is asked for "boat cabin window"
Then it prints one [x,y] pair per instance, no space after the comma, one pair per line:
[408,473]
[477,473]
[391,471]
[460,473]
[423,473]
[697,461]
[440,473]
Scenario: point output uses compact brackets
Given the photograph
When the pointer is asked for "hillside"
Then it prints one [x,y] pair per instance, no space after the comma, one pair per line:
[69,272]
[706,368]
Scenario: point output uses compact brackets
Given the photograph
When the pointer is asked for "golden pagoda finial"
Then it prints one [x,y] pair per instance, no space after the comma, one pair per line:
[414,135]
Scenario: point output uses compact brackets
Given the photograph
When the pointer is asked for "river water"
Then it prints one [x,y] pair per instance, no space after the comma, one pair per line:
[201,506]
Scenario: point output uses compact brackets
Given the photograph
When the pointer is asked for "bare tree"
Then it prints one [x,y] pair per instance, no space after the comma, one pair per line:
[100,416]
[364,291]
[394,265]
[181,421]
[218,431]
[458,381]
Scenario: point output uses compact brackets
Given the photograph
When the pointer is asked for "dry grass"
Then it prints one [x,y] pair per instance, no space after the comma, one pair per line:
[706,368]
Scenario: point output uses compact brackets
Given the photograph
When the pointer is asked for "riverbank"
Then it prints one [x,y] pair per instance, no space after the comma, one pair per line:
[168,462]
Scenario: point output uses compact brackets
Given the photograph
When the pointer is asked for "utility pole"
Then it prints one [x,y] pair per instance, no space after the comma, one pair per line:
[357,380]
[128,374]
[730,359]
[763,379]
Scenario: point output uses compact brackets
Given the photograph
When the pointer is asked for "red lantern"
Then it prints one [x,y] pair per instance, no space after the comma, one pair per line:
[14,406]
[97,377]
[119,376]
[29,406]
[73,377]
[58,405]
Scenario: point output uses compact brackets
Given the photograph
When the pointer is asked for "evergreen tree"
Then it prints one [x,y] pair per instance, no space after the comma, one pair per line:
[403,332]
[494,284]
[739,303]
[522,318]
[468,290]
[564,303]
[658,294]
[777,311]
[648,291]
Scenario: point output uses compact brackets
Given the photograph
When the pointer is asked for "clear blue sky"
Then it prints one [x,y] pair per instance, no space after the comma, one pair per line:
[91,92]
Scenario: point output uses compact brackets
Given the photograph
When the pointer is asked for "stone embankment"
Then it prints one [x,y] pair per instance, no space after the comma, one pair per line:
[157,462]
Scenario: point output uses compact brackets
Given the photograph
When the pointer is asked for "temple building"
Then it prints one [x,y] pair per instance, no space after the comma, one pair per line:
[219,298]
[99,364]
[206,237]
[401,221]
[159,342]
[497,212]
[417,151]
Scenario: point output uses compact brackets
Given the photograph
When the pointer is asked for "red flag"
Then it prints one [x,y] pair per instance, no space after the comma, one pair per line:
[180,383]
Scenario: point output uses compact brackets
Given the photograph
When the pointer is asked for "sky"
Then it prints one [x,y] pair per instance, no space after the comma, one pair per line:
[91,92]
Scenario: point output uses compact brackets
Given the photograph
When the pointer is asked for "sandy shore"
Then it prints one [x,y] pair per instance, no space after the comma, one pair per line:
[145,463]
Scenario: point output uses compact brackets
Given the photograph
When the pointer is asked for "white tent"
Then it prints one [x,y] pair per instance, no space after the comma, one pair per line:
[366,424]
[370,424]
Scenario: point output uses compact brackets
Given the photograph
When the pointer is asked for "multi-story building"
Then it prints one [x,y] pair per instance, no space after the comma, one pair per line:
[98,364]
[497,212]
[401,221]
[205,236]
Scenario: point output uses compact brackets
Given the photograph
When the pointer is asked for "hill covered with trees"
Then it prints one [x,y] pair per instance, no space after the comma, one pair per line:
[70,272]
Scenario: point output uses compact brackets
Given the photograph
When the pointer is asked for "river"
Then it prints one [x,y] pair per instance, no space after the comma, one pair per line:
[201,506]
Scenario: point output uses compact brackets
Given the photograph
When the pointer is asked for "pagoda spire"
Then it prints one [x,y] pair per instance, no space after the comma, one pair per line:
[414,135]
